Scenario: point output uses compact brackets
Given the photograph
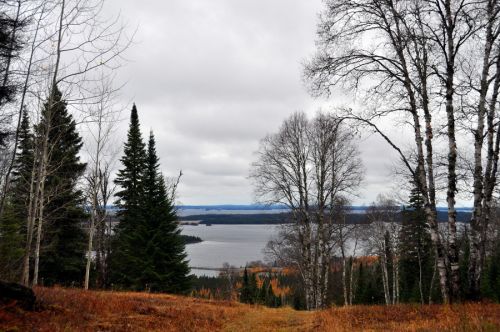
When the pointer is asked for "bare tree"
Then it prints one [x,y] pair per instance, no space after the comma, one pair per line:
[99,190]
[82,42]
[382,241]
[308,166]
[412,59]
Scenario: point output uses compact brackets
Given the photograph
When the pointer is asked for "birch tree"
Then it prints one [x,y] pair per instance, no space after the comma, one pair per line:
[384,231]
[412,59]
[308,165]
[81,43]
[99,189]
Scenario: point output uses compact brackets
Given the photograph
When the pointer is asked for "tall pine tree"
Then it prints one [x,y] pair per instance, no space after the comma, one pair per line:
[62,258]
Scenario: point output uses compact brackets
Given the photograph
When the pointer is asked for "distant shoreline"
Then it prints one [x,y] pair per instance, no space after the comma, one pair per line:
[283,218]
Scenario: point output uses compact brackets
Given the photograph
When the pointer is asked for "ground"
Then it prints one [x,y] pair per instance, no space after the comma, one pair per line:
[62,309]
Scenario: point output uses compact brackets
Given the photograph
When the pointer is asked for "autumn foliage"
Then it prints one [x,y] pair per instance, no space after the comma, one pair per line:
[62,309]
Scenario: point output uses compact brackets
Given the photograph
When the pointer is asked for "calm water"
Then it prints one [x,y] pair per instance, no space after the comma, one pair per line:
[233,244]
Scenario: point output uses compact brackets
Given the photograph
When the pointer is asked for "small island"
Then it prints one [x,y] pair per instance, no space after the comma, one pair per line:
[189,239]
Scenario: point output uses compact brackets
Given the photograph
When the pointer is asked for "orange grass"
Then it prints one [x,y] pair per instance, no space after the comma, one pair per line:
[77,310]
[460,317]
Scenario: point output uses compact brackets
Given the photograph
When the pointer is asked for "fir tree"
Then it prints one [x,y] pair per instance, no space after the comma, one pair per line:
[254,289]
[10,45]
[62,260]
[127,262]
[246,294]
[167,269]
[16,205]
[416,255]
[148,252]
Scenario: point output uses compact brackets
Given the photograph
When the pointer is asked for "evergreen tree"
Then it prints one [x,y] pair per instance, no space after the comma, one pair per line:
[148,252]
[490,285]
[167,269]
[254,289]
[416,255]
[16,206]
[10,44]
[127,264]
[246,295]
[263,292]
[62,259]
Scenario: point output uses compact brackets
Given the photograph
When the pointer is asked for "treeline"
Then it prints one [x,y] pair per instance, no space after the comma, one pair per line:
[257,285]
[387,260]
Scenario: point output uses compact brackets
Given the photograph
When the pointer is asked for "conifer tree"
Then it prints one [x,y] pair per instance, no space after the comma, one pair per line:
[167,269]
[16,206]
[62,259]
[416,258]
[148,252]
[246,295]
[128,251]
[254,289]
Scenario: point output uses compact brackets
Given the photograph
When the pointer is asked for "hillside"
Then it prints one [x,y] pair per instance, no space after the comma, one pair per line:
[75,310]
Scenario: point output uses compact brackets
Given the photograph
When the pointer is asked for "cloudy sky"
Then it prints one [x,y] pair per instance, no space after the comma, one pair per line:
[211,78]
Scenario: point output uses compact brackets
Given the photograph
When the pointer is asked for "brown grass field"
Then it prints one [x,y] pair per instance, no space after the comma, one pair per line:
[62,309]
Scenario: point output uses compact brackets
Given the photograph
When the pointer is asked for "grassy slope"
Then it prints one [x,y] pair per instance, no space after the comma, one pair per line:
[76,310]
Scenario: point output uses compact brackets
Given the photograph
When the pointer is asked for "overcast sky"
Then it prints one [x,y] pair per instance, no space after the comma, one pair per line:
[211,78]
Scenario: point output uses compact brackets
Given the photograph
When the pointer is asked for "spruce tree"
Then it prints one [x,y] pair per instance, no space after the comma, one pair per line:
[16,205]
[254,289]
[416,255]
[246,295]
[10,44]
[62,259]
[167,269]
[148,252]
[127,264]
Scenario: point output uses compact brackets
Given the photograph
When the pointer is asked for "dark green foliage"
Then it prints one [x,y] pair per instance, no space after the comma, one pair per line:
[246,292]
[62,258]
[11,43]
[254,289]
[130,177]
[131,235]
[189,239]
[369,284]
[14,216]
[416,262]
[490,284]
[11,239]
[149,252]
[265,295]
[299,302]
[167,269]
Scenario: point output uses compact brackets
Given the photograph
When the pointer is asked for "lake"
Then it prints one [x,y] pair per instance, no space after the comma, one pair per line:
[233,244]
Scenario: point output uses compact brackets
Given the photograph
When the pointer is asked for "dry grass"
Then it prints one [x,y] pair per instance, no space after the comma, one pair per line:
[463,317]
[77,310]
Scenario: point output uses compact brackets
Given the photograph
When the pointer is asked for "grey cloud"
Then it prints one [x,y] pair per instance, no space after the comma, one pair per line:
[211,78]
